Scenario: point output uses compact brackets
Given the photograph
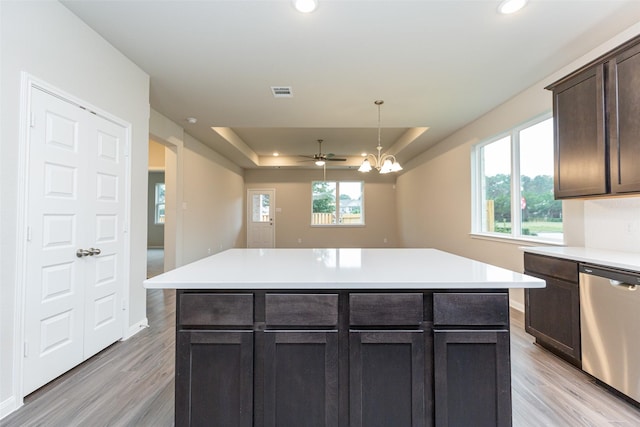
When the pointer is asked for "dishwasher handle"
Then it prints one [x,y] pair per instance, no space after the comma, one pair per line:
[616,277]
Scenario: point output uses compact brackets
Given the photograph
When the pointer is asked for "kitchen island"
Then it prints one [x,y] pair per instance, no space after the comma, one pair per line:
[342,337]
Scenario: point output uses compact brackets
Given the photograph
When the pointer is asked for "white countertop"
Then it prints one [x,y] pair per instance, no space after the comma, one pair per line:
[340,269]
[624,260]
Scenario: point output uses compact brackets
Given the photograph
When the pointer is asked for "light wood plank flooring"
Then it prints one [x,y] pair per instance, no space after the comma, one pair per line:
[131,384]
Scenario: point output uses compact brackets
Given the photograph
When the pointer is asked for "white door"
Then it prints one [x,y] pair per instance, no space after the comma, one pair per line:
[75,246]
[260,218]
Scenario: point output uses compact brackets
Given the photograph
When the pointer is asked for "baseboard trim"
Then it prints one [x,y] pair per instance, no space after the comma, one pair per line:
[516,306]
[135,328]
[8,406]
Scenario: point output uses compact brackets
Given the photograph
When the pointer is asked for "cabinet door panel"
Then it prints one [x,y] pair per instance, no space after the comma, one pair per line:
[387,385]
[579,121]
[624,126]
[301,379]
[214,378]
[472,378]
[552,315]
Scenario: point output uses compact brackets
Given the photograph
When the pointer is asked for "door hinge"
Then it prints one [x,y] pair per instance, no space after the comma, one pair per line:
[32,120]
[28,234]
[26,349]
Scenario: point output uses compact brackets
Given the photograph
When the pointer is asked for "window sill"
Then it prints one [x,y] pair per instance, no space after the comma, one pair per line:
[337,225]
[515,240]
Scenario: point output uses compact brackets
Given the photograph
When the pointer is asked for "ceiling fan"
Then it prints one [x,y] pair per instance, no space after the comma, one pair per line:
[321,158]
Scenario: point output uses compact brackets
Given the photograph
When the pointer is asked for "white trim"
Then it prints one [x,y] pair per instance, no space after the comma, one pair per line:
[8,406]
[507,238]
[28,83]
[134,329]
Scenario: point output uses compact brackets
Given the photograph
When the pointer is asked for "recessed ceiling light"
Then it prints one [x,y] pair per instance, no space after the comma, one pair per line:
[511,6]
[305,6]
[191,120]
[276,154]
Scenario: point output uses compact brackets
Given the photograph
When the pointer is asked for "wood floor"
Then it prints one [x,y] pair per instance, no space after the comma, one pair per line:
[131,384]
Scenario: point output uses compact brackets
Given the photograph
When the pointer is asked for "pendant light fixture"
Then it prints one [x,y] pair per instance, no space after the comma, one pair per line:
[384,163]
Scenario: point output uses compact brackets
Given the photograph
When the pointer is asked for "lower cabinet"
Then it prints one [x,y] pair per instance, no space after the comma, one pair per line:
[343,358]
[472,378]
[214,378]
[472,365]
[552,314]
[301,378]
[387,379]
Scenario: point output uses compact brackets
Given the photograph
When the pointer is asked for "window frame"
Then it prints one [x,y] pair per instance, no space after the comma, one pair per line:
[156,213]
[337,208]
[477,210]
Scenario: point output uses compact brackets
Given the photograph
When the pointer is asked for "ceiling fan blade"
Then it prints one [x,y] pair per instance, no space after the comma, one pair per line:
[335,159]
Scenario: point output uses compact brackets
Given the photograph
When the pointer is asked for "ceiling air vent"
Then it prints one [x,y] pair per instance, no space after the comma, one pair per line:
[282,91]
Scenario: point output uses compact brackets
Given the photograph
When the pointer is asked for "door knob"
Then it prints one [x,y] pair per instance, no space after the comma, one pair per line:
[83,252]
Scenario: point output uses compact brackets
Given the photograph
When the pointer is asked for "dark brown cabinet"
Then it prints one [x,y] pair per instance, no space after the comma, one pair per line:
[471,362]
[342,358]
[624,120]
[580,148]
[301,378]
[552,314]
[481,357]
[214,378]
[596,118]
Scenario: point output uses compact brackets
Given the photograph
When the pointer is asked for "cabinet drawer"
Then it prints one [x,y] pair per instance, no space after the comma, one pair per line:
[216,310]
[466,309]
[385,309]
[301,309]
[554,267]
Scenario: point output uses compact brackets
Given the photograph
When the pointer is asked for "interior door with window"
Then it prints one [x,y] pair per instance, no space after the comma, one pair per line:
[260,218]
[75,243]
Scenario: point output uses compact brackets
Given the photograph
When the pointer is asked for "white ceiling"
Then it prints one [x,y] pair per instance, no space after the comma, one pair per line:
[438,64]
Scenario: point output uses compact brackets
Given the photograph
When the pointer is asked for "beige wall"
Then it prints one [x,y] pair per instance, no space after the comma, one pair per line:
[293,203]
[213,195]
[156,156]
[434,194]
[50,43]
[204,194]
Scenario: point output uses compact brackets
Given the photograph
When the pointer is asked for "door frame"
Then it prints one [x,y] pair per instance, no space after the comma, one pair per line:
[27,85]
[249,212]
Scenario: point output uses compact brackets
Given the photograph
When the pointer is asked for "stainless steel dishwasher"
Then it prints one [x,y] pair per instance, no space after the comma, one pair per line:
[610,327]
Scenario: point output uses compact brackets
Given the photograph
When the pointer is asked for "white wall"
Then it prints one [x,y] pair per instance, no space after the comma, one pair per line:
[47,41]
[613,224]
[434,195]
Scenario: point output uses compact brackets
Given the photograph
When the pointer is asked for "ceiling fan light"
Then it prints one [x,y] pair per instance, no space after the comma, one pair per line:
[511,6]
[319,162]
[365,166]
[305,6]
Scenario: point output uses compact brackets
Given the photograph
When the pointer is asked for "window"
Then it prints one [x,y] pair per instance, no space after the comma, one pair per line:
[159,215]
[513,184]
[337,203]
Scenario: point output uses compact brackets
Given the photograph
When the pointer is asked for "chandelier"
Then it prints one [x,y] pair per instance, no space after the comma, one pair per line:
[385,163]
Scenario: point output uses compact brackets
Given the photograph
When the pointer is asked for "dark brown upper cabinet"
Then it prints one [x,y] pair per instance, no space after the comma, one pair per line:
[623,104]
[597,126]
